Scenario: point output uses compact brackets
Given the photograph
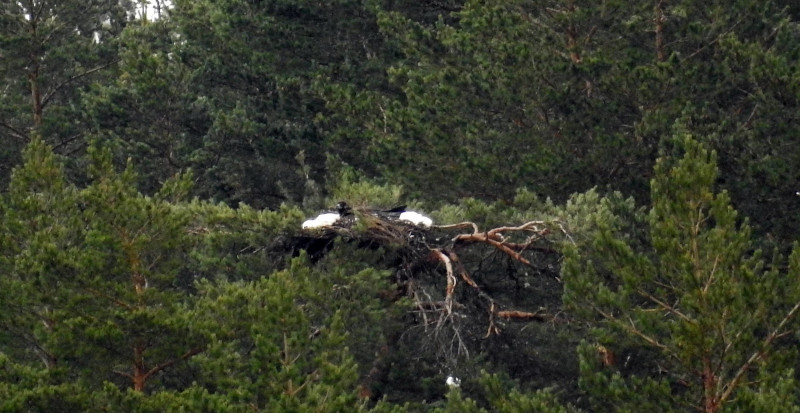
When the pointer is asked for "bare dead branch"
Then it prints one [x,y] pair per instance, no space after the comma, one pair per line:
[432,305]
[492,327]
[495,238]
[484,238]
[461,270]
[529,246]
[122,373]
[451,280]
[466,224]
[67,141]
[566,234]
[108,297]
[528,226]
[522,315]
[631,328]
[712,42]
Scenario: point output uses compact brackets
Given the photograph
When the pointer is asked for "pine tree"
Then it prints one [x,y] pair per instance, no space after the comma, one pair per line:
[133,249]
[251,67]
[37,244]
[695,311]
[269,350]
[496,95]
[48,52]
[147,111]
[90,275]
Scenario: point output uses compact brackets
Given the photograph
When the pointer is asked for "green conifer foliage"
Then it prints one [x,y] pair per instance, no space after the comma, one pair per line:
[133,249]
[38,242]
[494,94]
[694,317]
[146,111]
[48,52]
[269,347]
[251,66]
[90,275]
[492,393]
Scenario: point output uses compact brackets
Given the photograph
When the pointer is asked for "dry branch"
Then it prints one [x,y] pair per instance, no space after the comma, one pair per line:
[461,270]
[494,237]
[466,224]
[451,280]
[521,315]
[450,259]
[499,245]
[492,327]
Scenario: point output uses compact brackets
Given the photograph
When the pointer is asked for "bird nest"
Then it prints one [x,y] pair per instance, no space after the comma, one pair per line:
[440,247]
[461,280]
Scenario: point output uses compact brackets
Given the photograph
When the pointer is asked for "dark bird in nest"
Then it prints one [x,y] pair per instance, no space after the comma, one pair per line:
[392,214]
[398,213]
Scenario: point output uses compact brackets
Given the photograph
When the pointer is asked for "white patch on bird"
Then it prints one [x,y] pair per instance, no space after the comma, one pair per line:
[328,219]
[322,220]
[453,382]
[416,218]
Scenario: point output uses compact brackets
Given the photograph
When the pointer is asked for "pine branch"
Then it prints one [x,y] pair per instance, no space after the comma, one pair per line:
[666,306]
[169,363]
[499,245]
[712,42]
[15,132]
[522,315]
[123,374]
[632,329]
[109,298]
[55,90]
[776,333]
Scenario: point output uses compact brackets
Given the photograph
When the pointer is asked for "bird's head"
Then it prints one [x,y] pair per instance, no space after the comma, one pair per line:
[343,209]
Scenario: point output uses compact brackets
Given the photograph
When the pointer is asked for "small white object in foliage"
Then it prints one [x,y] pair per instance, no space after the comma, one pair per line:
[416,218]
[323,220]
[453,382]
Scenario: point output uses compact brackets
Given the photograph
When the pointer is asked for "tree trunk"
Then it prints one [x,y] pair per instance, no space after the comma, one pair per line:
[710,399]
[36,97]
[659,20]
[572,36]
[139,372]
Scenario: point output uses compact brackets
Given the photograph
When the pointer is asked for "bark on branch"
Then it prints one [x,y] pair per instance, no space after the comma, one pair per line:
[189,354]
[495,238]
[450,259]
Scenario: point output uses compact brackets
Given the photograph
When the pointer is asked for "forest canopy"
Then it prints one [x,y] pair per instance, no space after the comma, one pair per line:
[557,205]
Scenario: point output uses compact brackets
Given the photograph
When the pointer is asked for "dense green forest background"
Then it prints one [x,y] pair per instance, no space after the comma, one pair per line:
[615,187]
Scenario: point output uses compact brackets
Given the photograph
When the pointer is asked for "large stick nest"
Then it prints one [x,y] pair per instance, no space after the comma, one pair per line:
[436,252]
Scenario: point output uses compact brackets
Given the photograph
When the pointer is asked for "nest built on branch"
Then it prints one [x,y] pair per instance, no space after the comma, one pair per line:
[435,250]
